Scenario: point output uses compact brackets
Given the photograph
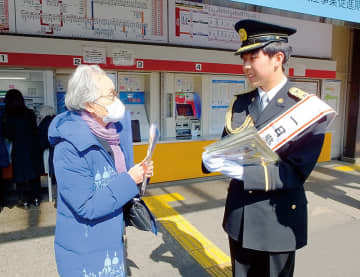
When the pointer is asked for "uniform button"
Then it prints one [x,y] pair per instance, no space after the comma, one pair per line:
[250,191]
[293,206]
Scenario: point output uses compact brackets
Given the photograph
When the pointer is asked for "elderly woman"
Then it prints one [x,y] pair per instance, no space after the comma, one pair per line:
[93,161]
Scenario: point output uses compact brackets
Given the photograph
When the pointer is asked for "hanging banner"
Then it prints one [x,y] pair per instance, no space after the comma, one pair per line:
[347,10]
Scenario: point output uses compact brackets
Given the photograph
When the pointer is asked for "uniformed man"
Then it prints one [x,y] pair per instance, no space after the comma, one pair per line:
[266,209]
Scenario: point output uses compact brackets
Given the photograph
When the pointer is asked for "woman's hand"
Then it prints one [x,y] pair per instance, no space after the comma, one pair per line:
[137,173]
[148,169]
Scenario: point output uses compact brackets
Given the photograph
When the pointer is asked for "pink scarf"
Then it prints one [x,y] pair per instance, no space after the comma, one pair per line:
[110,135]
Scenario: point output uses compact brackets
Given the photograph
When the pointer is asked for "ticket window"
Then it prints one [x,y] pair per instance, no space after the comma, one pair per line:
[36,87]
[134,91]
[61,84]
[182,107]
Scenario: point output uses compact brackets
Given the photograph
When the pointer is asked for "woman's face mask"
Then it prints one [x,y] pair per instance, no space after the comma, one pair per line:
[112,109]
[116,111]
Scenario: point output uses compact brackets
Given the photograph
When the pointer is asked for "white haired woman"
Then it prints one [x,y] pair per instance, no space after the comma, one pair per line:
[93,161]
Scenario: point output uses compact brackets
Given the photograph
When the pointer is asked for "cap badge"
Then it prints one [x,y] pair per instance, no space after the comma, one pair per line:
[280,100]
[243,34]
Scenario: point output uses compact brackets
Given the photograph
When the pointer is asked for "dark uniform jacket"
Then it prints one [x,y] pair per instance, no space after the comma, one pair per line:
[21,129]
[272,215]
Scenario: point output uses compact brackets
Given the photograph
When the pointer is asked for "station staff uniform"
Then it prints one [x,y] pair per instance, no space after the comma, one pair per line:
[266,210]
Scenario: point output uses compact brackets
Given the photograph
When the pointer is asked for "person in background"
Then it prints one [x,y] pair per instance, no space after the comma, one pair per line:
[46,115]
[19,127]
[266,208]
[4,162]
[96,177]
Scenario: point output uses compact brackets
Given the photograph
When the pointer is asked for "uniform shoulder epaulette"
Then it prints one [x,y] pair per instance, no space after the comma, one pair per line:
[245,91]
[298,93]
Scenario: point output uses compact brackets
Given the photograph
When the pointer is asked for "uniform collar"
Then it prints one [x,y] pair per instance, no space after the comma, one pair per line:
[271,93]
[276,106]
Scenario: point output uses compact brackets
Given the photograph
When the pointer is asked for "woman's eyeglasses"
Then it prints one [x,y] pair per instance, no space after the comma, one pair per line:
[113,94]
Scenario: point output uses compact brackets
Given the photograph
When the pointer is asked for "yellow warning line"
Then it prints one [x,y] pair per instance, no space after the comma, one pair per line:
[347,168]
[210,257]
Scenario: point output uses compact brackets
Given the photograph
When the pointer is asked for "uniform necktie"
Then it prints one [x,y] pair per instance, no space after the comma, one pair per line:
[264,100]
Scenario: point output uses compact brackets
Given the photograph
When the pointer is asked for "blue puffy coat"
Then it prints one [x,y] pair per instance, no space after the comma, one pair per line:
[91,194]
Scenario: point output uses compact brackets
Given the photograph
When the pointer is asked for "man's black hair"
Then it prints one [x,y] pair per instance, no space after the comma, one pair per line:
[273,48]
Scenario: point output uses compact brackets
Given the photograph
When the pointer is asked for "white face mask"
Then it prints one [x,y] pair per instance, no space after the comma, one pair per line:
[116,111]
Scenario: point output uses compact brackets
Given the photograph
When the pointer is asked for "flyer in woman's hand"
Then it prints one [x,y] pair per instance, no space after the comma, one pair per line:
[154,135]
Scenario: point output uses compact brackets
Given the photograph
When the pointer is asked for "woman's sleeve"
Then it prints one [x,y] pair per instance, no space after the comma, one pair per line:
[76,185]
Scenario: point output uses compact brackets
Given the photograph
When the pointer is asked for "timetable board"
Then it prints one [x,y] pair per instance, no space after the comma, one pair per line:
[222,93]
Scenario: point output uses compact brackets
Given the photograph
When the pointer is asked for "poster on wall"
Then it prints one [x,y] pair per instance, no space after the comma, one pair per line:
[131,83]
[198,24]
[331,93]
[140,20]
[222,93]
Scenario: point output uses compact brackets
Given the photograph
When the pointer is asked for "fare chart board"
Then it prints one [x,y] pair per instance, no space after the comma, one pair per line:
[198,24]
[204,25]
[129,20]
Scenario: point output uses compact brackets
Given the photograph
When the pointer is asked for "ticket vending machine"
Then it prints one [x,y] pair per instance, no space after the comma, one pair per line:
[188,115]
[134,102]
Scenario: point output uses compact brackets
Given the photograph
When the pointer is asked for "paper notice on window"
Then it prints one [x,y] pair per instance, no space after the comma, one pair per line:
[94,55]
[123,57]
